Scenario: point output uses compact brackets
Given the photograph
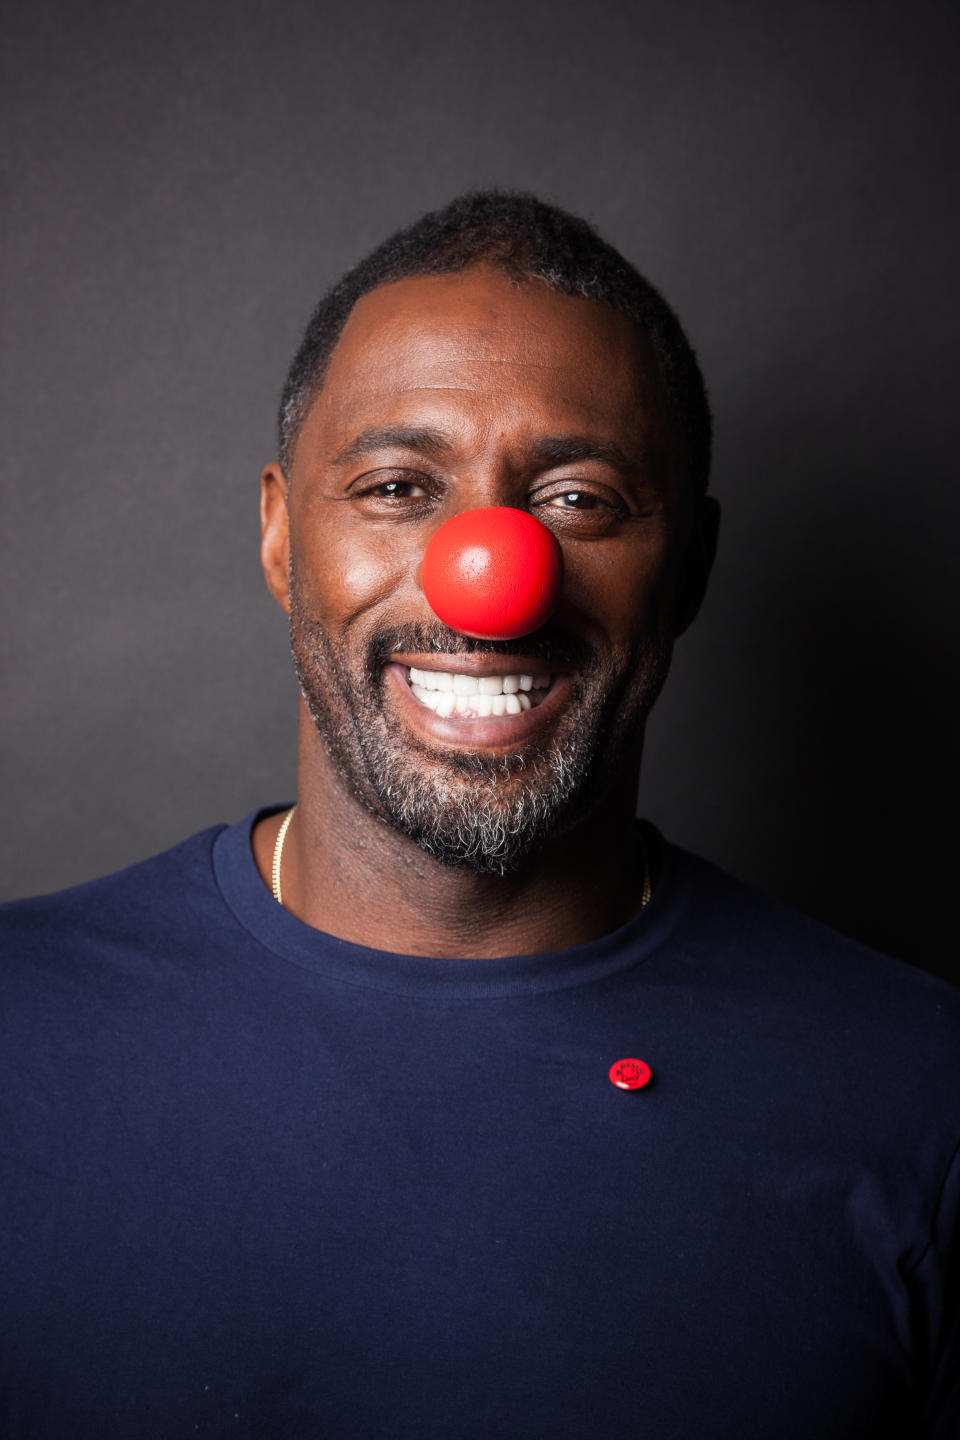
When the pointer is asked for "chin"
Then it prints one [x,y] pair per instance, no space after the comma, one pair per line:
[489,825]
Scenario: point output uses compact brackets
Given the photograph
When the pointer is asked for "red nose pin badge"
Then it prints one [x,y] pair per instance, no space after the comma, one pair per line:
[630,1074]
[493,574]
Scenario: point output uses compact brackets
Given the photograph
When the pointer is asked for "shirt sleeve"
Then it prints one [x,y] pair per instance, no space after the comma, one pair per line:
[936,1279]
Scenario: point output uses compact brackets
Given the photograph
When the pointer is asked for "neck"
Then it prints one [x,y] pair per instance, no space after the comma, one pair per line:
[351,875]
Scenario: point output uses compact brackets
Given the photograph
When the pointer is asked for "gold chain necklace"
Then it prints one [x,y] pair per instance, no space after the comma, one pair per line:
[645,893]
[647,888]
[278,856]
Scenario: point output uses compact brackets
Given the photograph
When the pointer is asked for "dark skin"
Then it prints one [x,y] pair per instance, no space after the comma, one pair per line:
[487,372]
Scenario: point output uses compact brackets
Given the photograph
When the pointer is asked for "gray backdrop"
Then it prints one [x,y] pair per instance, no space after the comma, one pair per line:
[181,183]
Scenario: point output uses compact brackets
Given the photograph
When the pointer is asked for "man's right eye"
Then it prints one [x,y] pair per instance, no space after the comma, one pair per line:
[397,490]
[400,489]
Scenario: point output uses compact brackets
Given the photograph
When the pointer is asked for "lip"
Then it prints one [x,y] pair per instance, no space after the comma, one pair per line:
[503,732]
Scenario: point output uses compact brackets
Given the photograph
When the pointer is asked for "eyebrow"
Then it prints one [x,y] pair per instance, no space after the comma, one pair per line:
[568,449]
[394,437]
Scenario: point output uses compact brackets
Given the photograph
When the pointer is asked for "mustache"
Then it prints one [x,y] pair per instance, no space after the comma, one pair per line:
[548,644]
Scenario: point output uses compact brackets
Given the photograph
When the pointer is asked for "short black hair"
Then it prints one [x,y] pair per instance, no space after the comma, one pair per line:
[527,239]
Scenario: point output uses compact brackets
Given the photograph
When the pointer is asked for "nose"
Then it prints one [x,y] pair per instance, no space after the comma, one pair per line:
[493,574]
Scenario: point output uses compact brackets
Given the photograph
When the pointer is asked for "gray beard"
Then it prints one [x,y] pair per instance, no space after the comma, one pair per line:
[487,813]
[474,817]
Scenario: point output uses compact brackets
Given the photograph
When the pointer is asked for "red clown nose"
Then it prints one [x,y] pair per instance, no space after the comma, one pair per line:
[493,574]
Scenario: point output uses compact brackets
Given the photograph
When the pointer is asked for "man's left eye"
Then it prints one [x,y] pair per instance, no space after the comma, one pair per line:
[587,512]
[575,500]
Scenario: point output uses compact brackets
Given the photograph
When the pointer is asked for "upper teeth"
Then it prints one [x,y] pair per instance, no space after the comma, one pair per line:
[477,684]
[475,696]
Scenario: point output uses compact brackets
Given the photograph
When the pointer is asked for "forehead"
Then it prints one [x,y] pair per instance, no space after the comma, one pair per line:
[477,351]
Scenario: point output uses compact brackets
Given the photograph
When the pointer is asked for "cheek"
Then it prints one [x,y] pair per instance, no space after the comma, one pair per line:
[622,590]
[345,579]
[361,579]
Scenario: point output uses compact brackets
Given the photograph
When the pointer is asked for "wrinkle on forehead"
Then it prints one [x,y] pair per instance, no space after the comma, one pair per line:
[431,353]
[447,387]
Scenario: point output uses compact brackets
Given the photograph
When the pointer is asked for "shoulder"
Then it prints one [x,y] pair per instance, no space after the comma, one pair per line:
[152,898]
[852,1021]
[747,932]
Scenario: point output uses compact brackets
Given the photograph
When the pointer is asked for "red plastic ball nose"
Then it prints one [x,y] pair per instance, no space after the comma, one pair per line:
[493,574]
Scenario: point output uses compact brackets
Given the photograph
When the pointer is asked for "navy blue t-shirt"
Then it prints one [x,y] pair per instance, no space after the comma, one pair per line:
[261,1182]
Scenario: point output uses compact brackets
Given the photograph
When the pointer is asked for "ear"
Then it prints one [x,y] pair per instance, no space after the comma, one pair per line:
[697,561]
[275,534]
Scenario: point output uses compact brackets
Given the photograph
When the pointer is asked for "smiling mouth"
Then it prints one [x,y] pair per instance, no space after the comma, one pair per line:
[457,696]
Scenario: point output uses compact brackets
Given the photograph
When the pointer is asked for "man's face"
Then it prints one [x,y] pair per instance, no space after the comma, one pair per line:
[446,394]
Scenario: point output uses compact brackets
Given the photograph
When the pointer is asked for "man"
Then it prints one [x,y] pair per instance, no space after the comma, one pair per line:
[452,1102]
